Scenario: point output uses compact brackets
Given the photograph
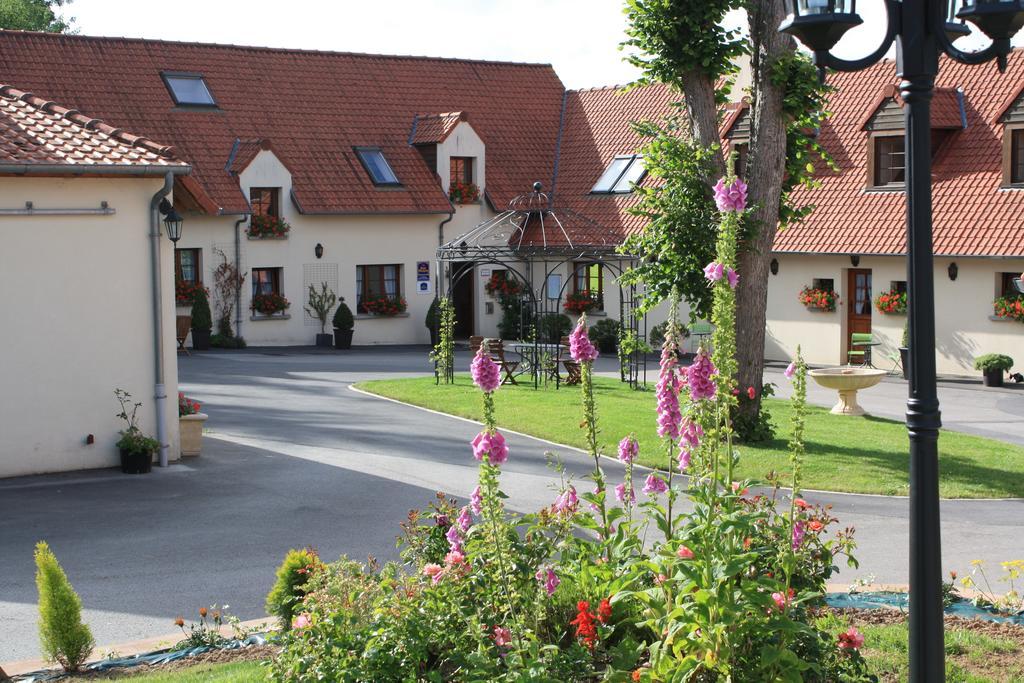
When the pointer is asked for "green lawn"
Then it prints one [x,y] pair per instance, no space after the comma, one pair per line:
[855,454]
[238,672]
[971,657]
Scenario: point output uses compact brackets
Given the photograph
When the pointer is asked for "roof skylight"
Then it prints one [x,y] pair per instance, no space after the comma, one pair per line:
[188,89]
[377,166]
[621,175]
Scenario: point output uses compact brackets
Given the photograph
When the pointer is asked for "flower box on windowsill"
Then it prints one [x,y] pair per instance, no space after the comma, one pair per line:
[269,238]
[373,316]
[255,317]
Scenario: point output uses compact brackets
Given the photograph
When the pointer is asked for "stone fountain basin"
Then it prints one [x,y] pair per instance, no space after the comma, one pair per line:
[847,381]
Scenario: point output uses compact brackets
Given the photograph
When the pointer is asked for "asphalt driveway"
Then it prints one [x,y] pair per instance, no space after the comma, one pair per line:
[296,458]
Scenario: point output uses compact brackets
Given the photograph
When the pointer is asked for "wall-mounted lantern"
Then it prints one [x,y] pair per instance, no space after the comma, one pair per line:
[319,250]
[953,270]
[774,266]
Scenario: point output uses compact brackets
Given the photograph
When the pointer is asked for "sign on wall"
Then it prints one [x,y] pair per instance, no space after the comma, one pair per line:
[423,278]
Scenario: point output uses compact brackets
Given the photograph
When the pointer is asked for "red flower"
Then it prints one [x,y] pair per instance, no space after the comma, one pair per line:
[585,624]
[750,393]
[604,611]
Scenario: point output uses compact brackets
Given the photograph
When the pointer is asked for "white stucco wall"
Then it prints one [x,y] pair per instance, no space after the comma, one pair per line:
[79,323]
[965,327]
[463,141]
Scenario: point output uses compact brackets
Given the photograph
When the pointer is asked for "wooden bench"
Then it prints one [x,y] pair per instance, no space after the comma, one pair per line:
[182,323]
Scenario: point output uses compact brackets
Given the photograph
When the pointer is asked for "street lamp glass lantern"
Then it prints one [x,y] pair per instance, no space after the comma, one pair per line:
[803,8]
[998,19]
[172,223]
[819,24]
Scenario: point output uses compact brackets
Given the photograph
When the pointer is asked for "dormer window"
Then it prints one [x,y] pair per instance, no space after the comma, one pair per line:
[621,175]
[1012,119]
[378,168]
[888,167]
[461,170]
[265,201]
[188,89]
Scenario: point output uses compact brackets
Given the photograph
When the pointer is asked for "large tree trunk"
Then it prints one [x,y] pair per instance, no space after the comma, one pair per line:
[699,99]
[765,175]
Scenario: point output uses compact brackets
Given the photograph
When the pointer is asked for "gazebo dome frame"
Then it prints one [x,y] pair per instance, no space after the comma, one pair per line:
[532,241]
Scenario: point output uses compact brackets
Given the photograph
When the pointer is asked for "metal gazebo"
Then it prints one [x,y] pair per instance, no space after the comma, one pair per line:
[534,242]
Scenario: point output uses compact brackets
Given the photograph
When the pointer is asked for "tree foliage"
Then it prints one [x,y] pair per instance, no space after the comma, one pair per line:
[680,237]
[35,15]
[674,38]
[62,635]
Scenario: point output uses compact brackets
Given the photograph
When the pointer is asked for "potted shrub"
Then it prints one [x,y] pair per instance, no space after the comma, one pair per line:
[551,327]
[343,324]
[320,305]
[202,320]
[433,321]
[137,449]
[605,335]
[190,423]
[992,366]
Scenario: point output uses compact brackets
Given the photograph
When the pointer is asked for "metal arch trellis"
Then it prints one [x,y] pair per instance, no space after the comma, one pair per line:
[530,233]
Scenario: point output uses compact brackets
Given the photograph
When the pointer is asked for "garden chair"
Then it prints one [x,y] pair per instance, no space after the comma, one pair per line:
[860,347]
[182,325]
[563,359]
[496,349]
[897,360]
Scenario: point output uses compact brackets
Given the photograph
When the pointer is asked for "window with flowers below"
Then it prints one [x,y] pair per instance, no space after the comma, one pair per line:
[267,297]
[589,280]
[1010,302]
[187,275]
[379,289]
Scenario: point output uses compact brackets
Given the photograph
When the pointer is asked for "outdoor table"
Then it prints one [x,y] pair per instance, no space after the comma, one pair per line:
[868,352]
[525,351]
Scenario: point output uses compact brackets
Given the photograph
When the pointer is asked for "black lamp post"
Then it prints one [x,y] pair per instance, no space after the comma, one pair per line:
[921,30]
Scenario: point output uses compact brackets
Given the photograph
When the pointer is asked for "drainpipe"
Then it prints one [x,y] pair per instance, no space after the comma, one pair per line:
[160,390]
[440,243]
[238,265]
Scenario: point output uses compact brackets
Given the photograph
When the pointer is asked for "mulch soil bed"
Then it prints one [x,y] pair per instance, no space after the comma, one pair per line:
[254,653]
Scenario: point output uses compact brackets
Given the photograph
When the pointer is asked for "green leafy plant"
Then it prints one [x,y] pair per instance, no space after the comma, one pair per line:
[553,326]
[385,305]
[268,227]
[891,302]
[580,302]
[443,353]
[202,319]
[132,440]
[221,341]
[290,586]
[1011,307]
[605,334]
[227,286]
[343,319]
[205,632]
[657,334]
[819,299]
[320,304]
[993,361]
[463,193]
[905,337]
[62,635]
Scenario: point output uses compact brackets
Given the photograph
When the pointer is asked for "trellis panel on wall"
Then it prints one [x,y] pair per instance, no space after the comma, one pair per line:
[316,274]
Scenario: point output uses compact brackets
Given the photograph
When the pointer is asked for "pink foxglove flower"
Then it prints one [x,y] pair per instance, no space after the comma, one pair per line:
[684,553]
[302,621]
[731,197]
[454,558]
[597,492]
[790,370]
[699,377]
[454,537]
[580,347]
[566,503]
[655,485]
[550,580]
[622,495]
[476,501]
[782,600]
[492,445]
[464,520]
[485,371]
[628,449]
[685,457]
[666,393]
[852,639]
[733,277]
[690,433]
[714,271]
[799,529]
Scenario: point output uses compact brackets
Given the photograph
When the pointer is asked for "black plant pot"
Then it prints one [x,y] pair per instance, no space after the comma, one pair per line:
[993,378]
[200,339]
[324,340]
[342,338]
[905,361]
[136,463]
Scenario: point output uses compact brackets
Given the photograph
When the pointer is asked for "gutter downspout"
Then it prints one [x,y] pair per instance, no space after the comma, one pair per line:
[160,390]
[238,265]
[440,243]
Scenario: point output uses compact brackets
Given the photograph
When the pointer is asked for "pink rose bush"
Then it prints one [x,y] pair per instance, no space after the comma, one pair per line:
[713,590]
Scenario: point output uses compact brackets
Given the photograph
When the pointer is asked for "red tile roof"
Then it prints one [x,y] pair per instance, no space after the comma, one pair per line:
[314,106]
[37,132]
[434,128]
[597,127]
[973,215]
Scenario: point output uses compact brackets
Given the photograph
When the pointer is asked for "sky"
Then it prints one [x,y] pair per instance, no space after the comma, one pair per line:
[579,37]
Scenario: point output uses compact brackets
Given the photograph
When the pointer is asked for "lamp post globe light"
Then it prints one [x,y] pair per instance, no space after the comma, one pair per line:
[921,30]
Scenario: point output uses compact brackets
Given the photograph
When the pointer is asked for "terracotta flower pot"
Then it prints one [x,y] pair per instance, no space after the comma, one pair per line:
[191,427]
